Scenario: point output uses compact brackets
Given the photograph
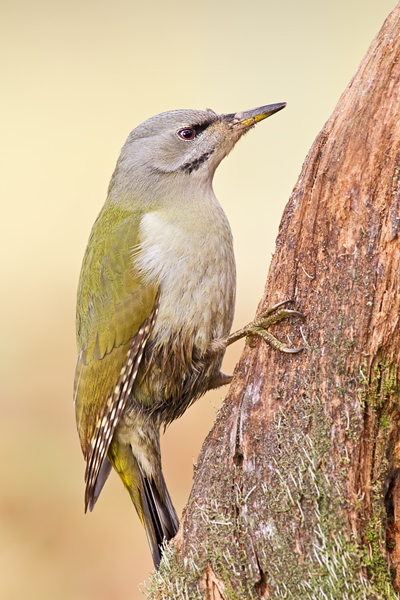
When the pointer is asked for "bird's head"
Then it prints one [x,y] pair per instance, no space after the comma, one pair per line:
[182,144]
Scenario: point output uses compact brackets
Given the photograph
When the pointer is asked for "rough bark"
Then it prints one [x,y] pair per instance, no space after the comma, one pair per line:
[297,489]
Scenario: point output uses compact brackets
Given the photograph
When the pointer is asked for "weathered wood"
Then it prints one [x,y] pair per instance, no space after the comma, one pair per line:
[297,489]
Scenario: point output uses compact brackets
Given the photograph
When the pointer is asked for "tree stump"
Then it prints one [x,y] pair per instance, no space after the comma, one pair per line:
[297,489]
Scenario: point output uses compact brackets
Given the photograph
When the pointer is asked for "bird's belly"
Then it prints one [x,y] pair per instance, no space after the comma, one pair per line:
[197,283]
[196,301]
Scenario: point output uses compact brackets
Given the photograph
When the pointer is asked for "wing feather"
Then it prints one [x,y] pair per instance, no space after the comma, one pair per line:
[116,311]
[109,418]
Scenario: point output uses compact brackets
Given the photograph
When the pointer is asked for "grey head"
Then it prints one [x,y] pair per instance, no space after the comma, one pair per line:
[183,145]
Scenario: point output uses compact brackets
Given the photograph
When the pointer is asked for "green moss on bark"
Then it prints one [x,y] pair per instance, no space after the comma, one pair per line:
[290,531]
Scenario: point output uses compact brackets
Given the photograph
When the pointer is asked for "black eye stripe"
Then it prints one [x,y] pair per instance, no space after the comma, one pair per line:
[199,128]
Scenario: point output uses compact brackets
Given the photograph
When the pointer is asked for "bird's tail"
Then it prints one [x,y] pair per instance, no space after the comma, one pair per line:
[160,520]
[150,497]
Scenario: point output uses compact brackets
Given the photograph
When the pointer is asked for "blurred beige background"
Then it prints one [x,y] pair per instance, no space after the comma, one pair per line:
[76,77]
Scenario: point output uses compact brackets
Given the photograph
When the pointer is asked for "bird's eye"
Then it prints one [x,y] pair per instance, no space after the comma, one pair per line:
[186,134]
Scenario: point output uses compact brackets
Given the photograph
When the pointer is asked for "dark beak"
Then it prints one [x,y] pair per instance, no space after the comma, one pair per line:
[248,118]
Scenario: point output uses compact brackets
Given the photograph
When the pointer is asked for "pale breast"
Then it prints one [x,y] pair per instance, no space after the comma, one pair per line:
[190,255]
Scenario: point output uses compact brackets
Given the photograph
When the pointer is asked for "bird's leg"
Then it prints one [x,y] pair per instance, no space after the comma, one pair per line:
[259,327]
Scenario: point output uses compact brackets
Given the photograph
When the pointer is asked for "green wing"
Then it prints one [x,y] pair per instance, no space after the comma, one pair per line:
[115,315]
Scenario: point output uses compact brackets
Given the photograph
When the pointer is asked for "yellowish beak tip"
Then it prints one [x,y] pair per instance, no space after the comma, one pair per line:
[252,117]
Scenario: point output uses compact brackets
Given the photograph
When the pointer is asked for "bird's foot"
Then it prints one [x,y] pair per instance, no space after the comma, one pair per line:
[259,327]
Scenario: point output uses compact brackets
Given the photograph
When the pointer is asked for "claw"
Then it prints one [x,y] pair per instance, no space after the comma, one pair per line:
[296,312]
[275,306]
[291,350]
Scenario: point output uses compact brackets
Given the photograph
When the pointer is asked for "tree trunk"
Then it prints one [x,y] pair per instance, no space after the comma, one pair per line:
[297,489]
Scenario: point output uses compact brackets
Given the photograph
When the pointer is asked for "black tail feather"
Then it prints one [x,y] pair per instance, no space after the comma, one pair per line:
[161,517]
